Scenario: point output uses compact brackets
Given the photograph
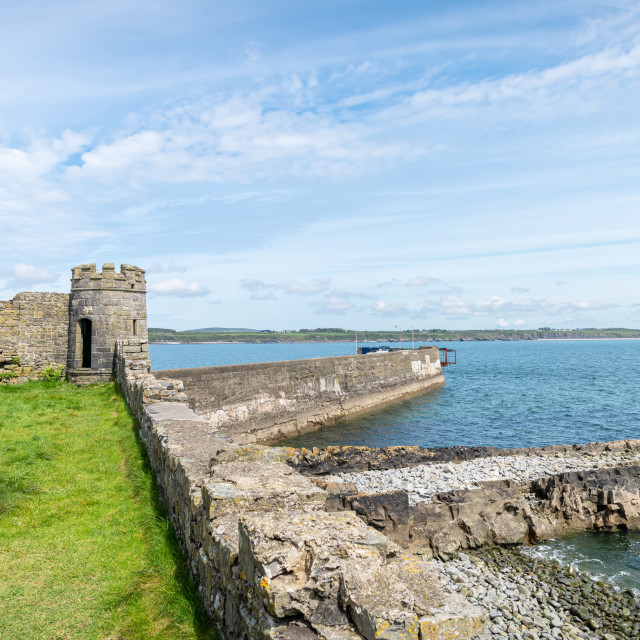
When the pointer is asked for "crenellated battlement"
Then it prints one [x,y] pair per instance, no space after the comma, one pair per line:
[86,276]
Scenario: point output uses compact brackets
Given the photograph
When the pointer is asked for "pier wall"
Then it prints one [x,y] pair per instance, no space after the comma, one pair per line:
[269,401]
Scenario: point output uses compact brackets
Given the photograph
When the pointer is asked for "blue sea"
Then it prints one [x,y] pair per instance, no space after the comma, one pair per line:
[502,394]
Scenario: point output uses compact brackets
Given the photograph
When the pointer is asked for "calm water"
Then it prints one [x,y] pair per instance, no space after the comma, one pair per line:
[182,356]
[504,394]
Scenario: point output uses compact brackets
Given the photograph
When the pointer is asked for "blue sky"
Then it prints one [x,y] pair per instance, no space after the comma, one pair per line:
[345,163]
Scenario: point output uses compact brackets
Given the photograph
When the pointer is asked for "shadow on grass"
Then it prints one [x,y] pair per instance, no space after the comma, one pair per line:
[203,625]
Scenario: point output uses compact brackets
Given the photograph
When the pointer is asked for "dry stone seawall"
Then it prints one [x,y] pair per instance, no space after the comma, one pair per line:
[33,334]
[267,402]
[270,560]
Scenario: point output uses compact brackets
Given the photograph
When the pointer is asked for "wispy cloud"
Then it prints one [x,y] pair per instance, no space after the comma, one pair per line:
[585,305]
[423,281]
[545,90]
[179,288]
[157,267]
[290,287]
[389,309]
[455,306]
[335,305]
[263,295]
[29,274]
[387,283]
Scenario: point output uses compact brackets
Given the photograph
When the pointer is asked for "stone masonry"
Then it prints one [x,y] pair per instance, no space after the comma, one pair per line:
[270,560]
[77,330]
[33,334]
[109,306]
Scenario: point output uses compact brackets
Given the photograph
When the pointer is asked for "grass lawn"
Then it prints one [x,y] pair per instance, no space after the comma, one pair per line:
[85,549]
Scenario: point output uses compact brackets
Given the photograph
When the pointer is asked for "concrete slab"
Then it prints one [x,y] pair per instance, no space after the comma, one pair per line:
[172,411]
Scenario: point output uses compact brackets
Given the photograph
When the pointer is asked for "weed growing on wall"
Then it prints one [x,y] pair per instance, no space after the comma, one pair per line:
[53,373]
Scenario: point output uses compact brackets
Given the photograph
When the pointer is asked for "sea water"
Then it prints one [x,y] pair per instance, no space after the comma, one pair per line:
[502,394]
[614,555]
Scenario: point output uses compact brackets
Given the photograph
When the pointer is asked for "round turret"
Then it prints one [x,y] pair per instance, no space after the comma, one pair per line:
[104,307]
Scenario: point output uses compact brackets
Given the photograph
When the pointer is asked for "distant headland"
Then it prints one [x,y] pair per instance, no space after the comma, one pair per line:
[328,334]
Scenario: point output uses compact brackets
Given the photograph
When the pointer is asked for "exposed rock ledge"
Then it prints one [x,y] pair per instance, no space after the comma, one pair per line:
[442,508]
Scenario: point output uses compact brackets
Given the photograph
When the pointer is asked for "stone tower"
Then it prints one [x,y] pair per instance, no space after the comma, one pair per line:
[103,307]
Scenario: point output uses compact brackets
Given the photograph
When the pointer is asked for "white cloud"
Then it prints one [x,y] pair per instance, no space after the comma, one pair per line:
[304,288]
[253,285]
[455,306]
[505,323]
[40,157]
[585,305]
[388,283]
[177,287]
[157,267]
[544,92]
[227,139]
[520,290]
[389,309]
[29,274]
[335,304]
[263,295]
[291,287]
[424,281]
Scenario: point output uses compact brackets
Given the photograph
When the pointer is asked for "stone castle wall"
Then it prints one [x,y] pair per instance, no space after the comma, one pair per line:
[42,329]
[270,561]
[266,402]
[33,334]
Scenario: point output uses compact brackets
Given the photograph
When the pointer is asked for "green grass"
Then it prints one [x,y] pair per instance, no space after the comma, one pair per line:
[85,548]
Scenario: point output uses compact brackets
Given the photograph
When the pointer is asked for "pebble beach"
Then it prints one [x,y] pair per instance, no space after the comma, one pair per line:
[424,481]
[525,598]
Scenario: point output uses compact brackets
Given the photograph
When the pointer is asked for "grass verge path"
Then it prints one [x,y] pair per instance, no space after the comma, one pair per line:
[85,549]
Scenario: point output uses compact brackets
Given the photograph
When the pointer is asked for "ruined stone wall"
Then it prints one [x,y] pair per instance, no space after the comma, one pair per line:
[266,402]
[77,330]
[271,562]
[9,323]
[33,334]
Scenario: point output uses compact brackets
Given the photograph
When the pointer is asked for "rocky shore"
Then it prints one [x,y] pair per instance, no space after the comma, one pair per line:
[526,598]
[424,481]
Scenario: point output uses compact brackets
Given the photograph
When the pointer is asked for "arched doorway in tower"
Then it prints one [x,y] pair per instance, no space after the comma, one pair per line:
[85,334]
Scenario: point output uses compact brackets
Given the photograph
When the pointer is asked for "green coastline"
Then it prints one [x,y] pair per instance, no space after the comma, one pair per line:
[170,336]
